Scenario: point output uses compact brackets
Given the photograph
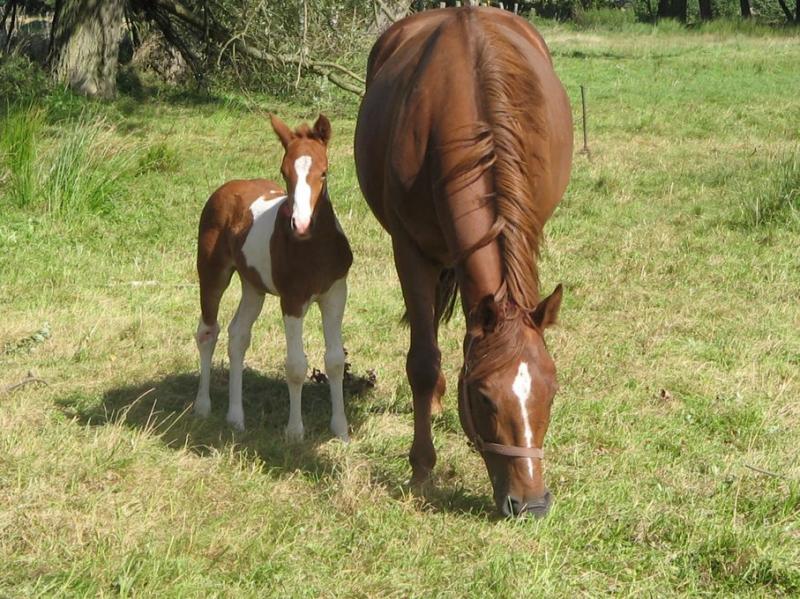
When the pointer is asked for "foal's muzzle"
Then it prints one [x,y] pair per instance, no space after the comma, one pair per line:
[301,230]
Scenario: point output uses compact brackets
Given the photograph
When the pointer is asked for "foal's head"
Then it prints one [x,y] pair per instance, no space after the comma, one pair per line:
[304,168]
[505,394]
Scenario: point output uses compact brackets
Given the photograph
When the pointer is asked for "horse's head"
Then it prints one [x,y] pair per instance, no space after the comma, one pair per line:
[505,394]
[304,168]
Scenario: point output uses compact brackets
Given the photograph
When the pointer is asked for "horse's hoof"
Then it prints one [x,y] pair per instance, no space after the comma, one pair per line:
[436,407]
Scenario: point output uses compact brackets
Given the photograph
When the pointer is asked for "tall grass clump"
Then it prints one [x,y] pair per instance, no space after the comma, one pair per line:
[81,172]
[776,200]
[19,135]
[608,19]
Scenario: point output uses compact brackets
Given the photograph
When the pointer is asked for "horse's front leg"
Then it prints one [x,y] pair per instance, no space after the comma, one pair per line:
[296,366]
[331,305]
[418,278]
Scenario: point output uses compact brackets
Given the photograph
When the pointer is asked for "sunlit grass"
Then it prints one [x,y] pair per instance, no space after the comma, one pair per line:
[672,451]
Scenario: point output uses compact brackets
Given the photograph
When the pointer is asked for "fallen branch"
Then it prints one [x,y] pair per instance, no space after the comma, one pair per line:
[762,471]
[30,379]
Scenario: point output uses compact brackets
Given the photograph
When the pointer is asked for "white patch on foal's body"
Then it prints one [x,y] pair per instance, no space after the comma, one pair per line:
[522,389]
[256,246]
[301,214]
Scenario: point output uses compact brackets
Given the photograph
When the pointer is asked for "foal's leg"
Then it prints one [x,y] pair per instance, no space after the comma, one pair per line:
[418,278]
[296,367]
[238,342]
[331,304]
[213,282]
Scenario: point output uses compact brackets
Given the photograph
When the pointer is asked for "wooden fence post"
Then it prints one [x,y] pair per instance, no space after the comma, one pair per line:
[585,149]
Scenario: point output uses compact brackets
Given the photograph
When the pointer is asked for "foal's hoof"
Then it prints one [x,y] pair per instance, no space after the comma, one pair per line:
[340,430]
[236,422]
[294,434]
[202,406]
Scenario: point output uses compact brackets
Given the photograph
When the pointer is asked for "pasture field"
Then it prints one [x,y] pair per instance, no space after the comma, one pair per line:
[674,445]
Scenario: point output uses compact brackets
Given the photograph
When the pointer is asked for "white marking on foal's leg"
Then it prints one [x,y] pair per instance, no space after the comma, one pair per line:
[522,389]
[331,304]
[301,213]
[238,342]
[296,367]
[206,338]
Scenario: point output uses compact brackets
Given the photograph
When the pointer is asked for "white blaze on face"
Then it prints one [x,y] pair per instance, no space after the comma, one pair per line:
[301,214]
[522,389]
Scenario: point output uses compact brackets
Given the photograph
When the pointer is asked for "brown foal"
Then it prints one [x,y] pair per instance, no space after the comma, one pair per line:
[285,243]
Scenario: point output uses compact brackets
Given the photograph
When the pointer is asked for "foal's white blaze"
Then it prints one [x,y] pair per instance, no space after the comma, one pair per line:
[522,389]
[301,214]
[256,246]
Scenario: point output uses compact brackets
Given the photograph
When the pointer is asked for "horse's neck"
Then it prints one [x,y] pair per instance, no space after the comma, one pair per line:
[471,217]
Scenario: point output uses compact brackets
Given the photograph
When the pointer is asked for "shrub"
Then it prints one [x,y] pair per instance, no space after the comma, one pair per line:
[21,81]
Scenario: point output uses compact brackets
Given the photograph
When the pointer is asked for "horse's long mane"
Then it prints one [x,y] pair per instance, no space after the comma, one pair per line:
[506,142]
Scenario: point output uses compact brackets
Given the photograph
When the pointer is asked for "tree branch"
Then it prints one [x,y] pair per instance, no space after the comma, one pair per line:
[334,72]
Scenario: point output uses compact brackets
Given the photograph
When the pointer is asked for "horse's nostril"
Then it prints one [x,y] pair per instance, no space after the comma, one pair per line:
[291,223]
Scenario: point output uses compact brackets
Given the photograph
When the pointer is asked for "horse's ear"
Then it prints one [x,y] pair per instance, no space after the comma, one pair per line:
[546,312]
[487,314]
[322,129]
[410,141]
[281,130]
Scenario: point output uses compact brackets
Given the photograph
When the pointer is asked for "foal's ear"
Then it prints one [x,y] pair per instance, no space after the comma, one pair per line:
[546,312]
[487,314]
[281,130]
[322,129]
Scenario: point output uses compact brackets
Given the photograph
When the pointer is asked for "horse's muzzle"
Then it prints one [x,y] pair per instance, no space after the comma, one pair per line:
[527,507]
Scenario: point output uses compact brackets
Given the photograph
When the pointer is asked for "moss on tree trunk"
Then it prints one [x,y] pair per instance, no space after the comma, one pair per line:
[86,38]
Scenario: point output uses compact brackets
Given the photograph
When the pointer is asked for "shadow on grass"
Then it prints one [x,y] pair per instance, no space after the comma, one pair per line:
[163,407]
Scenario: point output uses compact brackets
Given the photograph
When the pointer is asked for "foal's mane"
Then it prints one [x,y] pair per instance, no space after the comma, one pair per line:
[506,143]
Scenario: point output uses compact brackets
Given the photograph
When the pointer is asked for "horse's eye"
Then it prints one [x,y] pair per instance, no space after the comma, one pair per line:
[488,403]
[324,175]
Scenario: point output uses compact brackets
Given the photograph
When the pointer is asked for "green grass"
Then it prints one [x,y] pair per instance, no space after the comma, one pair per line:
[678,356]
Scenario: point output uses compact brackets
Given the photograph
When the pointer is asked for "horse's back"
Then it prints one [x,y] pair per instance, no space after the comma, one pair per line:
[419,72]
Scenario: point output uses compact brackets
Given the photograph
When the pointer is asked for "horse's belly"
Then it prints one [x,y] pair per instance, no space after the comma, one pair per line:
[255,249]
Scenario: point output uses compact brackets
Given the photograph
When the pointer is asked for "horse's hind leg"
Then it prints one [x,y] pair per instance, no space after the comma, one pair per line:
[331,304]
[238,341]
[213,282]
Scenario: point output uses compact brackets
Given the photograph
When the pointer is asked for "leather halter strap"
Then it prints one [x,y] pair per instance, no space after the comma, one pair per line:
[477,442]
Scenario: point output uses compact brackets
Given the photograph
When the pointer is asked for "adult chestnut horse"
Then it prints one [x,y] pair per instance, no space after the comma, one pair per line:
[463,148]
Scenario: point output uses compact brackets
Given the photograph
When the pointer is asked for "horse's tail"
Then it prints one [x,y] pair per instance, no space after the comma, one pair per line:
[446,294]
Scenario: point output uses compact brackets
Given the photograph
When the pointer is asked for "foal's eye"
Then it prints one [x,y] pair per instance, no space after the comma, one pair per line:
[324,175]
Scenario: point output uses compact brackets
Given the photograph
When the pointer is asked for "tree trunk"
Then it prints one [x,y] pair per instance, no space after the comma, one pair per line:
[672,9]
[86,38]
[789,17]
[706,10]
[745,6]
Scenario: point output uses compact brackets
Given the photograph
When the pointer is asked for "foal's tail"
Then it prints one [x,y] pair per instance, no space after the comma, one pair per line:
[446,294]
